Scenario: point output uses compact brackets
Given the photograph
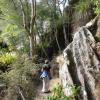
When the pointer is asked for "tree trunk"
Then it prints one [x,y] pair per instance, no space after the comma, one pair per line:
[31,45]
[55,33]
[64,29]
[29,27]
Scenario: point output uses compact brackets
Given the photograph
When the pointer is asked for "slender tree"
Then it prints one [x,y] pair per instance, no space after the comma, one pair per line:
[29,22]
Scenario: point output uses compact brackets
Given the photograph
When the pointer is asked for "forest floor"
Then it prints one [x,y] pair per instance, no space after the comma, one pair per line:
[43,96]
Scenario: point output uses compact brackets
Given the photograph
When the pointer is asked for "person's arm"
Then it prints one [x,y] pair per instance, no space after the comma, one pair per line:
[42,70]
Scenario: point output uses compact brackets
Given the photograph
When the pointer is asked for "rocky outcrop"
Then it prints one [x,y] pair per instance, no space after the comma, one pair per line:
[79,65]
[98,29]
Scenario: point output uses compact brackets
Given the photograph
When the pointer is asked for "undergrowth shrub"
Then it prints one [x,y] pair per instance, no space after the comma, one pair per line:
[7,58]
[21,79]
[58,93]
[42,49]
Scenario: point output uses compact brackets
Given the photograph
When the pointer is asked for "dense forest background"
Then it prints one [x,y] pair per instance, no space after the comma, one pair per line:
[29,31]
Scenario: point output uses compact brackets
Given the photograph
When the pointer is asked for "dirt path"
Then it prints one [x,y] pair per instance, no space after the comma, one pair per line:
[43,96]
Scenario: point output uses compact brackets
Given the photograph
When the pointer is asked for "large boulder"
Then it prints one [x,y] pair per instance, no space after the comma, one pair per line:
[79,65]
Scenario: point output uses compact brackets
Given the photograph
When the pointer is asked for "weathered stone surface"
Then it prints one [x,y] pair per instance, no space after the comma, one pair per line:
[80,65]
[98,29]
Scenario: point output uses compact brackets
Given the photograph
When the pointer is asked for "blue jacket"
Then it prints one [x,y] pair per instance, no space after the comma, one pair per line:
[44,74]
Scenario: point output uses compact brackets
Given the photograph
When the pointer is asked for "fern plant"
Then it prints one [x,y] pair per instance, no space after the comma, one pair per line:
[7,58]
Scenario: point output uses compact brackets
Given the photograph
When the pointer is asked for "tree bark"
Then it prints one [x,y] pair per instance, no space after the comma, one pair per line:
[28,23]
[21,94]
[31,46]
[32,22]
[62,15]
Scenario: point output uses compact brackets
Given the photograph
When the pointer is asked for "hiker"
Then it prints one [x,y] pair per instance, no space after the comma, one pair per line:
[45,76]
[47,63]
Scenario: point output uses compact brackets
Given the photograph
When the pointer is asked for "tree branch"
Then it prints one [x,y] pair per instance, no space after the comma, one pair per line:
[41,39]
[33,15]
[14,4]
[24,17]
[23,13]
[21,94]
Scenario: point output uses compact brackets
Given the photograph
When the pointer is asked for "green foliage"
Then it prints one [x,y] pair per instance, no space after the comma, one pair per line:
[43,10]
[11,33]
[15,37]
[41,49]
[97,8]
[7,58]
[23,75]
[11,12]
[83,5]
[58,93]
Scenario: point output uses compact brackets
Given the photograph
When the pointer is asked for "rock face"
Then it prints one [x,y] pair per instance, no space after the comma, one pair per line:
[98,29]
[79,65]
